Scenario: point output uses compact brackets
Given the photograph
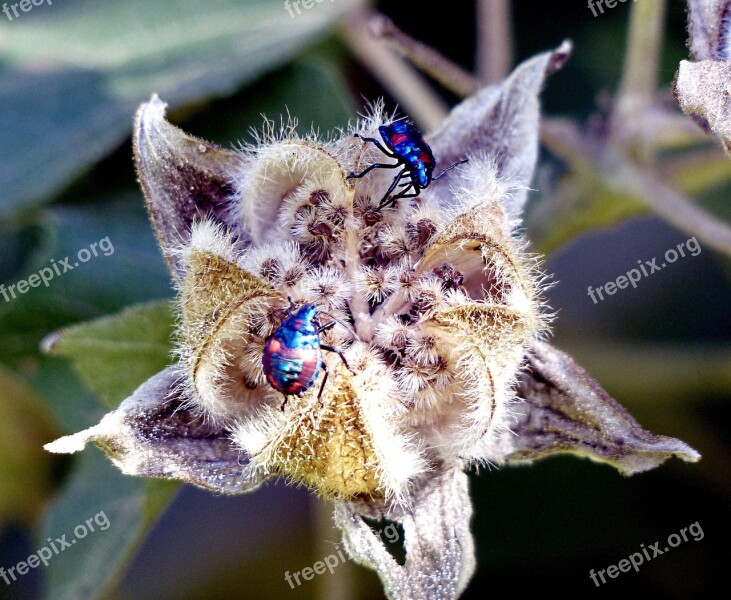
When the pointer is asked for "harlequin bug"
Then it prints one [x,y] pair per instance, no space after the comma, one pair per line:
[292,358]
[405,143]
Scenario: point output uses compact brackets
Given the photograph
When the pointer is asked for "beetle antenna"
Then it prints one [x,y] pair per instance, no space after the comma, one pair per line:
[449,168]
[334,318]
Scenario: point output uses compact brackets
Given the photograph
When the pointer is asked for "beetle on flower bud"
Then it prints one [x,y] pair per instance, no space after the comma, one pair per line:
[292,357]
[450,367]
[405,143]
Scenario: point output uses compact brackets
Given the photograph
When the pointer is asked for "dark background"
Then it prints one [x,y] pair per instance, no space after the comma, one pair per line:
[537,528]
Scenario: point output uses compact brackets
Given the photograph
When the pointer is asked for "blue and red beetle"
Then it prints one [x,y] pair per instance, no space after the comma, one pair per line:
[292,358]
[405,143]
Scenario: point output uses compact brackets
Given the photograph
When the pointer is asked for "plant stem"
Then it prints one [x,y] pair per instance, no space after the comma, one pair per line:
[339,584]
[397,76]
[674,208]
[425,58]
[639,79]
[661,375]
[494,39]
[563,138]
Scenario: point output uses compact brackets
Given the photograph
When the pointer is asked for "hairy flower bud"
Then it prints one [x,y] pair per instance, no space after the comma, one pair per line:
[432,306]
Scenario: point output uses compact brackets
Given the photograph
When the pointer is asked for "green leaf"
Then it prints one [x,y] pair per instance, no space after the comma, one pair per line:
[589,198]
[72,74]
[134,272]
[67,399]
[115,354]
[18,239]
[579,203]
[288,91]
[25,470]
[120,509]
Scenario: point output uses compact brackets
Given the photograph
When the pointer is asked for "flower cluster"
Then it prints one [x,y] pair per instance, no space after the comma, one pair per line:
[441,301]
[436,307]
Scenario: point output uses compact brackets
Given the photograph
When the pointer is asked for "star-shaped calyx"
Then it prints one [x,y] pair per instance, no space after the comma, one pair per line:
[438,313]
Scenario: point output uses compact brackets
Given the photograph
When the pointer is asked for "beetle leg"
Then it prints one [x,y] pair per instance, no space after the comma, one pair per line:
[449,168]
[404,194]
[324,379]
[284,403]
[377,144]
[354,175]
[385,200]
[339,352]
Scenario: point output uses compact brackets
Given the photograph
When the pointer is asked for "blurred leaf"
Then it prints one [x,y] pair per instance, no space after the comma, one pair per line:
[68,400]
[72,77]
[577,203]
[98,493]
[699,172]
[25,470]
[588,198]
[655,375]
[133,272]
[115,354]
[18,241]
[581,199]
[289,90]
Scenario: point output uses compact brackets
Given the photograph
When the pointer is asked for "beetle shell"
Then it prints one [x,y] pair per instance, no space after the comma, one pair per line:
[292,358]
[406,141]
